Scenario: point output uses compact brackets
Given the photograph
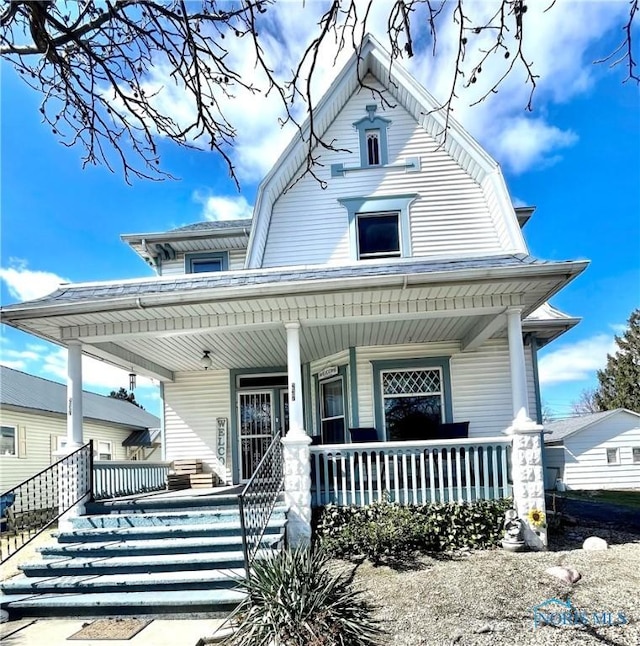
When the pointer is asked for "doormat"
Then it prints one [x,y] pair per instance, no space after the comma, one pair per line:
[111,629]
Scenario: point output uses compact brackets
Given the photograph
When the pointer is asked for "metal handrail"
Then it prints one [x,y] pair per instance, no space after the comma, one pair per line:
[258,499]
[34,505]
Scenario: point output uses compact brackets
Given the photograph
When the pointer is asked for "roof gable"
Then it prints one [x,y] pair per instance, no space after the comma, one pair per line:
[405,90]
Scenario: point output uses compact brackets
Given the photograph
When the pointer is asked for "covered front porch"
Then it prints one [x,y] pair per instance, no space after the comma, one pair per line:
[403,350]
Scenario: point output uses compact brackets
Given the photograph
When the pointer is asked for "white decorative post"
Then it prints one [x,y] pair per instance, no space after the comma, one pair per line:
[71,475]
[297,462]
[526,452]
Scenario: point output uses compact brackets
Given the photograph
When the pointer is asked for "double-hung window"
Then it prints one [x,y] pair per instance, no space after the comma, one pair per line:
[8,440]
[613,456]
[378,235]
[104,451]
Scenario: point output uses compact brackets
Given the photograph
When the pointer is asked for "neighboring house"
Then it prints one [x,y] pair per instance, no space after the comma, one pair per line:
[399,295]
[595,451]
[33,418]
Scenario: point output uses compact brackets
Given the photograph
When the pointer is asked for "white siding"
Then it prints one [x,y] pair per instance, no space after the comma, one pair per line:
[480,382]
[192,404]
[586,454]
[41,430]
[176,267]
[449,218]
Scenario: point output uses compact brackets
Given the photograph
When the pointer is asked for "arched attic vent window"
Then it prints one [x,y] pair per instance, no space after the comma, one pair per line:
[372,135]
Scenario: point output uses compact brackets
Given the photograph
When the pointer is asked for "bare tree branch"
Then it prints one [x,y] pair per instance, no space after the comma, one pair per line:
[96,64]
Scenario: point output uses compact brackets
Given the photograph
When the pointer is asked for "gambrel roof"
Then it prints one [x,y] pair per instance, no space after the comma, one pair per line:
[409,93]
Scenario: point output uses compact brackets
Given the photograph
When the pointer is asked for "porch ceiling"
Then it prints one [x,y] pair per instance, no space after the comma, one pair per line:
[249,331]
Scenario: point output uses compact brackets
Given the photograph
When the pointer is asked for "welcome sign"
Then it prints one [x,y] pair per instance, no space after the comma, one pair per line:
[221,441]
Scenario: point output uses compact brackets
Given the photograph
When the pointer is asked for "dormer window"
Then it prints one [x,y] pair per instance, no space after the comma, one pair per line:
[197,263]
[372,138]
[373,147]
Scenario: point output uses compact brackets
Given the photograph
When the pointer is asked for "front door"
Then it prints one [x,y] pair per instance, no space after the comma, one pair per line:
[256,428]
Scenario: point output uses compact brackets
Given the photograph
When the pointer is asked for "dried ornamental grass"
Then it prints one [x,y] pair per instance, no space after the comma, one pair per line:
[294,600]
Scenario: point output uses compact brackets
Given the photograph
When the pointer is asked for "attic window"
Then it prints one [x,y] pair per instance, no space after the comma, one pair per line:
[378,235]
[373,147]
[372,138]
[206,262]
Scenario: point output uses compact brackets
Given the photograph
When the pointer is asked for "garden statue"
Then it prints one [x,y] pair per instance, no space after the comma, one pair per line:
[513,540]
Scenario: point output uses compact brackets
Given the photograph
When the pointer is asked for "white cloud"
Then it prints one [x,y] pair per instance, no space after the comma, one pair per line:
[50,362]
[577,361]
[224,207]
[526,143]
[27,284]
[560,44]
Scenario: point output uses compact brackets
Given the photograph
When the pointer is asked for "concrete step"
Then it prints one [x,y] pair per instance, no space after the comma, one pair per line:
[146,519]
[162,503]
[212,602]
[188,545]
[138,582]
[133,564]
[90,534]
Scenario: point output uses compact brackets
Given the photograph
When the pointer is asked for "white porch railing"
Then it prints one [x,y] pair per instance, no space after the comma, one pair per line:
[411,472]
[115,478]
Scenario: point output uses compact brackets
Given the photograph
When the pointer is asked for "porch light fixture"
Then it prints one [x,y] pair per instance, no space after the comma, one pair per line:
[205,361]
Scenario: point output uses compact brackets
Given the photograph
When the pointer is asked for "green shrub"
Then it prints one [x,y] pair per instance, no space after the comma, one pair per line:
[294,600]
[386,529]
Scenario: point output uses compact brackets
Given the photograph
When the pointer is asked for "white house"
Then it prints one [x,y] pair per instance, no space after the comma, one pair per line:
[596,451]
[397,295]
[33,420]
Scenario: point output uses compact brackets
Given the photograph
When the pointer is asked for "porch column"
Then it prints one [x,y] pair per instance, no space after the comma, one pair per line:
[297,459]
[74,396]
[526,451]
[72,473]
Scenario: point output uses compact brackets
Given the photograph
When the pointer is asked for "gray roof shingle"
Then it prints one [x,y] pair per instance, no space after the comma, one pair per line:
[192,282]
[558,430]
[22,390]
[213,225]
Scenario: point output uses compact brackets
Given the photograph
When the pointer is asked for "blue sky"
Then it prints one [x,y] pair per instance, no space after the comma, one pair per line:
[576,157]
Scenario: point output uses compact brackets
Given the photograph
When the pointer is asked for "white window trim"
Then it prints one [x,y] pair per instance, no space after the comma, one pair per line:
[97,452]
[15,441]
[633,459]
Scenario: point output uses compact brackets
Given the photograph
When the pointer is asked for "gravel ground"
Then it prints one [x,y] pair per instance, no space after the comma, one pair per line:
[488,597]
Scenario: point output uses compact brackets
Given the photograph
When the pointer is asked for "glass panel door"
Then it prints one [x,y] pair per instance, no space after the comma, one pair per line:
[255,429]
[332,411]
